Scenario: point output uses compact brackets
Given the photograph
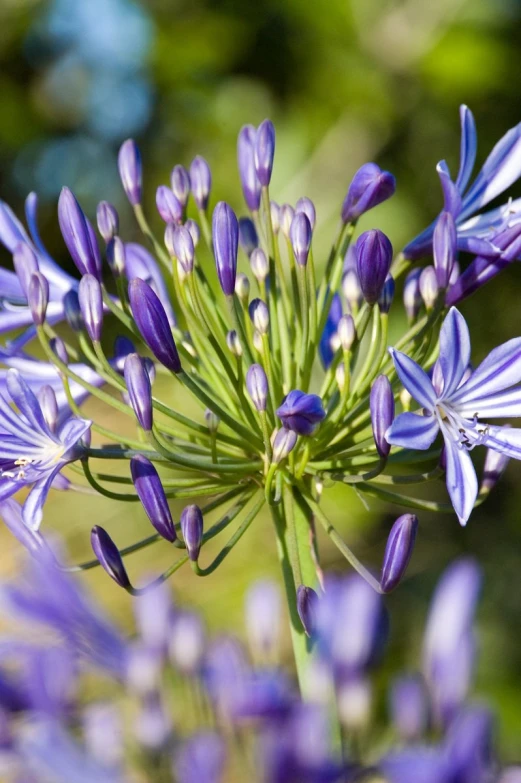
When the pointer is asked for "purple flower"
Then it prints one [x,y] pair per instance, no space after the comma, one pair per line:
[108,555]
[283,443]
[152,495]
[444,248]
[374,254]
[78,235]
[139,388]
[91,304]
[225,235]
[257,385]
[153,324]
[130,171]
[370,186]
[409,707]
[251,187]
[107,219]
[30,453]
[300,237]
[412,300]
[192,530]
[179,240]
[307,602]
[168,205]
[301,412]
[180,182]
[38,297]
[381,403]
[306,206]
[398,551]
[140,263]
[248,238]
[454,405]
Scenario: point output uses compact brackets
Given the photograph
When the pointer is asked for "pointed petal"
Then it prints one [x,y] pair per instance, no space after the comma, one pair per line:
[72,430]
[462,483]
[8,487]
[482,225]
[451,195]
[505,440]
[502,405]
[413,431]
[469,142]
[454,351]
[501,369]
[415,380]
[33,507]
[11,230]
[26,402]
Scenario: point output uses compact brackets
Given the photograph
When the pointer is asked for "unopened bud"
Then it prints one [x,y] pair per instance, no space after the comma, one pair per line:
[429,288]
[259,264]
[192,529]
[109,557]
[346,331]
[307,601]
[257,385]
[283,443]
[38,297]
[398,551]
[259,315]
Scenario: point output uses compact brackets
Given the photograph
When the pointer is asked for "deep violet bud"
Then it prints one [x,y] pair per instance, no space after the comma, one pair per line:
[201,181]
[307,601]
[259,264]
[409,707]
[168,206]
[152,495]
[180,182]
[444,248]
[248,238]
[139,388]
[275,216]
[242,288]
[25,265]
[300,236]
[58,348]
[306,206]
[183,247]
[398,551]
[264,151]
[287,213]
[38,297]
[117,256]
[109,557]
[233,342]
[381,403]
[429,288]
[225,234]
[78,235]
[152,323]
[412,298]
[374,254]
[301,412]
[108,220]
[283,443]
[263,616]
[369,187]
[257,385]
[259,315]
[91,304]
[193,228]
[251,186]
[49,406]
[130,170]
[346,331]
[385,299]
[72,310]
[192,529]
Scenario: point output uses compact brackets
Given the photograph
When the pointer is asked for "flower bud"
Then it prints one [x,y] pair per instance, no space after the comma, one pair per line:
[168,205]
[242,287]
[130,171]
[300,237]
[493,469]
[374,254]
[72,310]
[212,420]
[352,290]
[25,265]
[91,304]
[233,342]
[183,247]
[193,228]
[38,297]
[412,299]
[307,601]
[152,496]
[283,443]
[301,412]
[386,297]
[251,186]
[444,242]
[263,616]
[109,557]
[381,403]
[306,206]
[248,238]
[59,350]
[264,151]
[117,257]
[78,235]
[192,529]
[287,213]
[259,264]
[275,216]
[180,182]
[108,220]
[259,315]
[139,388]
[370,186]
[398,551]
[225,234]
[409,707]
[340,376]
[346,332]
[429,288]
[257,385]
[49,406]
[201,181]
[153,324]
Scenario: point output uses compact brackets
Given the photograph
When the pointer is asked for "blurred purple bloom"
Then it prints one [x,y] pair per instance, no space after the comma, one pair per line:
[201,758]
[409,707]
[301,412]
[130,171]
[251,187]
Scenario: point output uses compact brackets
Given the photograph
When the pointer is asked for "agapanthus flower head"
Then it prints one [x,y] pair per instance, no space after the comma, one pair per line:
[370,187]
[301,412]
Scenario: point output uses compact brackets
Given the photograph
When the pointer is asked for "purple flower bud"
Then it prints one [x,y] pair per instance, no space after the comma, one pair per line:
[139,390]
[38,297]
[257,385]
[283,443]
[242,287]
[183,247]
[201,181]
[152,496]
[193,228]
[444,248]
[152,323]
[412,299]
[493,469]
[381,403]
[25,265]
[248,238]
[201,758]
[398,551]
[58,348]
[168,206]
[259,315]
[263,616]
[346,332]
[301,412]
[259,264]
[306,206]
[91,304]
[72,310]
[352,290]
[300,236]
[374,254]
[385,299]
[117,256]
[233,342]
[429,288]
[108,220]
[251,186]
[109,557]
[130,171]
[369,187]
[225,234]
[78,235]
[307,601]
[192,529]
[180,182]
[409,707]
[264,151]
[49,406]
[287,213]
[275,216]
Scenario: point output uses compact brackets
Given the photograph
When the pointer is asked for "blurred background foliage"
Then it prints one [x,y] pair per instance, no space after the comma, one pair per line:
[344,82]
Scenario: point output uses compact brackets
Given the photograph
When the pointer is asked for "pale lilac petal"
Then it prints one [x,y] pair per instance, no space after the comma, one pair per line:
[462,483]
[481,225]
[454,350]
[497,406]
[505,440]
[451,195]
[501,369]
[8,487]
[72,430]
[469,143]
[32,511]
[12,231]
[11,513]
[27,403]
[415,380]
[413,431]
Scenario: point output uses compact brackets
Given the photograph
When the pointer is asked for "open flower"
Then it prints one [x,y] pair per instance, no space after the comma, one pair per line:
[454,404]
[30,453]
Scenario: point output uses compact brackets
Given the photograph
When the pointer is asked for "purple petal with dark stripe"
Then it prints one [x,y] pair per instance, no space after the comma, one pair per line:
[413,431]
[454,350]
[415,380]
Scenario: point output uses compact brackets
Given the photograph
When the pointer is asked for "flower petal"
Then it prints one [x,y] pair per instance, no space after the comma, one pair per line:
[27,403]
[454,351]
[496,406]
[415,380]
[501,369]
[451,195]
[505,440]
[72,430]
[481,225]
[32,511]
[468,147]
[462,483]
[413,431]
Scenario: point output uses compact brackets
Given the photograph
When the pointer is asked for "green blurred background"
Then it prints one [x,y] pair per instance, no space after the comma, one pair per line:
[344,82]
